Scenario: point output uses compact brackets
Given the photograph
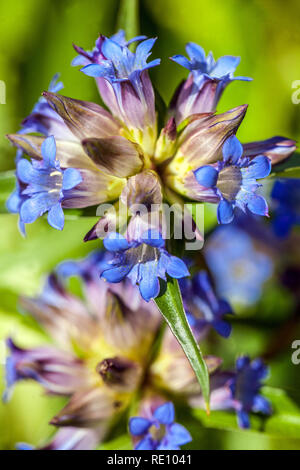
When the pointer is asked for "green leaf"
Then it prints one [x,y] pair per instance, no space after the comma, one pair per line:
[171,308]
[288,169]
[128,18]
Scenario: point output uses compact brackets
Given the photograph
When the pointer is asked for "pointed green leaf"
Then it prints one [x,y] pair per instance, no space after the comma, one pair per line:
[171,308]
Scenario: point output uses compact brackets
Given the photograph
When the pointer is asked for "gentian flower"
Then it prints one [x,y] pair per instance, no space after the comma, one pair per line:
[240,268]
[143,261]
[245,388]
[234,181]
[124,84]
[207,80]
[286,197]
[46,186]
[159,431]
[203,307]
[239,390]
[111,146]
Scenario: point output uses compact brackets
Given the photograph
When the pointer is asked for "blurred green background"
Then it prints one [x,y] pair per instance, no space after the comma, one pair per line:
[36,42]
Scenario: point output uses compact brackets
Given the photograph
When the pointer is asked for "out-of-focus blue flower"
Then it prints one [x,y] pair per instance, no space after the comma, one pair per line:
[286,193]
[203,67]
[87,268]
[239,390]
[245,388]
[203,307]
[238,267]
[143,261]
[234,181]
[42,186]
[159,432]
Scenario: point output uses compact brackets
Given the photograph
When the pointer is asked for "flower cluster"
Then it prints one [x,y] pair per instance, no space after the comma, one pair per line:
[86,155]
[103,359]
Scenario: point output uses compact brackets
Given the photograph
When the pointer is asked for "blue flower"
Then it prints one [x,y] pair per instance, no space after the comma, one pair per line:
[233,180]
[286,194]
[203,67]
[203,307]
[160,432]
[94,56]
[119,64]
[238,267]
[88,268]
[245,388]
[143,261]
[42,187]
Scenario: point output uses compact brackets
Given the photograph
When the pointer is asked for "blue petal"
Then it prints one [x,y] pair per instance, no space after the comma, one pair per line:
[24,170]
[71,178]
[243,419]
[96,70]
[115,242]
[165,413]
[56,217]
[176,268]
[195,52]
[116,274]
[257,204]
[14,201]
[262,405]
[225,212]
[113,51]
[242,362]
[178,435]
[48,149]
[149,283]
[165,444]
[24,446]
[225,65]
[223,328]
[232,149]
[142,51]
[153,237]
[138,426]
[146,444]
[34,207]
[183,61]
[207,176]
[259,167]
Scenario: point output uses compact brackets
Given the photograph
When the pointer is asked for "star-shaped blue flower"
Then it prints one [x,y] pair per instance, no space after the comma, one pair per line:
[203,307]
[42,186]
[286,194]
[143,261]
[160,432]
[119,64]
[245,388]
[204,68]
[233,180]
